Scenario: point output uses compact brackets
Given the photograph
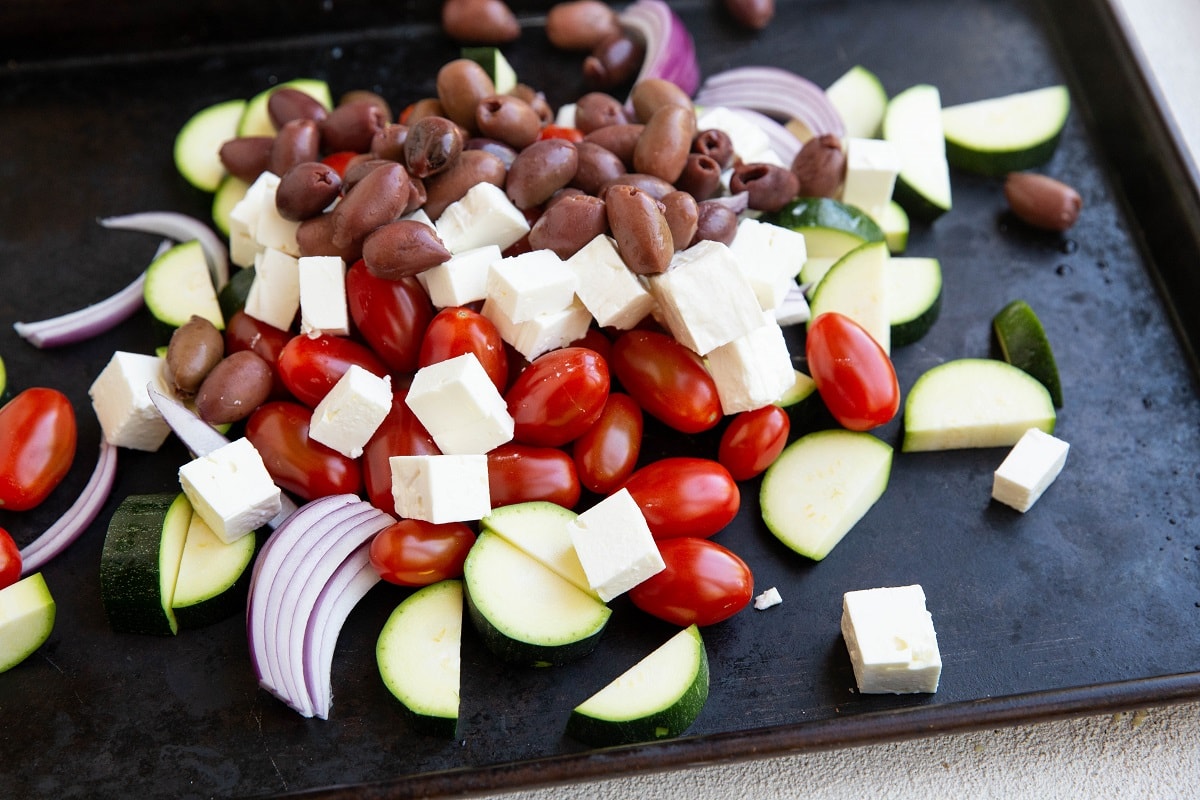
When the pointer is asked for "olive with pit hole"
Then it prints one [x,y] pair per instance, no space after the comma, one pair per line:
[640,229]
[375,200]
[195,348]
[568,224]
[701,176]
[540,170]
[402,248]
[769,186]
[306,190]
[508,119]
[236,386]
[715,144]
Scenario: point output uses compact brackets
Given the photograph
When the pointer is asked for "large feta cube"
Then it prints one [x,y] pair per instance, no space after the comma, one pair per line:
[272,230]
[459,405]
[127,416]
[614,545]
[871,169]
[704,299]
[323,295]
[770,256]
[483,216]
[274,296]
[889,634]
[231,489]
[461,280]
[531,284]
[753,370]
[244,216]
[544,332]
[608,289]
[1029,468]
[350,413]
[441,488]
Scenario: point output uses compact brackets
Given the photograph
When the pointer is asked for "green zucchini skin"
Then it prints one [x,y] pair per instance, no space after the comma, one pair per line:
[515,651]
[129,574]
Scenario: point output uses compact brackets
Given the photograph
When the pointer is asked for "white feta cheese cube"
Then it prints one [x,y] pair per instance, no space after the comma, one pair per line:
[565,117]
[441,488]
[127,416]
[615,546]
[767,599]
[871,169]
[461,280]
[1029,468]
[608,289]
[420,216]
[543,333]
[770,256]
[348,416]
[484,215]
[753,370]
[272,230]
[889,634]
[750,142]
[704,299]
[243,219]
[323,295]
[231,489]
[459,405]
[531,284]
[274,296]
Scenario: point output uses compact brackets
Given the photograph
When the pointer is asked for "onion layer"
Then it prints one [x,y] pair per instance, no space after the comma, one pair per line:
[181,228]
[775,92]
[670,51]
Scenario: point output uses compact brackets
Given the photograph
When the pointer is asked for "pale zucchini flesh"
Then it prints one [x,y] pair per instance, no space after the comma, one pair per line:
[179,284]
[27,614]
[1006,134]
[913,122]
[539,529]
[860,99]
[198,143]
[914,297]
[213,576]
[856,286]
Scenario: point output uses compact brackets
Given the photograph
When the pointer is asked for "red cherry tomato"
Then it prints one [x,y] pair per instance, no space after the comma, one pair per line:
[561,132]
[244,332]
[854,375]
[339,161]
[669,381]
[558,396]
[279,431]
[595,339]
[455,331]
[684,496]
[518,473]
[10,560]
[311,365]
[753,440]
[607,453]
[703,583]
[400,434]
[413,552]
[391,315]
[37,446]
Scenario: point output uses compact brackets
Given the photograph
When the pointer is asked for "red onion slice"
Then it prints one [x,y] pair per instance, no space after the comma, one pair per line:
[67,528]
[783,142]
[776,92]
[181,228]
[670,50]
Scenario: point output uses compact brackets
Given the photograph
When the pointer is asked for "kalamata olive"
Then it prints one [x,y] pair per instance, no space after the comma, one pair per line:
[701,176]
[315,238]
[618,139]
[195,348]
[306,190]
[432,145]
[360,167]
[425,107]
[498,149]
[508,119]
[568,224]
[355,95]
[375,200]
[598,110]
[580,24]
[770,186]
[716,222]
[388,141]
[613,61]
[640,229]
[471,167]
[1042,201]
[820,166]
[351,126]
[597,167]
[236,386]
[461,84]
[479,21]
[752,14]
[652,185]
[715,144]
[288,103]
[402,248]
[296,142]
[682,215]
[663,147]
[416,195]
[650,94]
[246,157]
[540,170]
[537,101]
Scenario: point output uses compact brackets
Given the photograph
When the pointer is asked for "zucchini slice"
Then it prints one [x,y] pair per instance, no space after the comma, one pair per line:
[523,611]
[256,121]
[140,561]
[213,576]
[895,227]
[974,402]
[178,285]
[27,612]
[198,143]
[1006,134]
[821,485]
[228,194]
[419,656]
[913,122]
[1024,344]
[539,529]
[857,287]
[831,228]
[657,698]
[914,297]
[860,99]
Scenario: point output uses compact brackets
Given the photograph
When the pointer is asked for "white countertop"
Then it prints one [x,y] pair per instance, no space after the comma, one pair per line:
[1151,753]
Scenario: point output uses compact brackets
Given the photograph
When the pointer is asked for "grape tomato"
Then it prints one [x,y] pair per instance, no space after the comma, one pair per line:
[703,583]
[558,396]
[519,473]
[311,365]
[298,464]
[685,496]
[456,331]
[413,552]
[391,315]
[37,446]
[10,560]
[753,440]
[853,373]
[669,381]
[607,453]
[400,434]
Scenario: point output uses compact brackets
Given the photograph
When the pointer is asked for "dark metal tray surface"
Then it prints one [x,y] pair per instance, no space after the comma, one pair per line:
[1088,603]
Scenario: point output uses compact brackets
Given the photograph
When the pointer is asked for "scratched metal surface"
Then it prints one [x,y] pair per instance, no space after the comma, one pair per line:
[1093,598]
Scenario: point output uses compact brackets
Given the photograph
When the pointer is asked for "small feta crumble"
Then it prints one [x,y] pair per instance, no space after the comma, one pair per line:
[461,280]
[323,306]
[530,285]
[350,413]
[770,256]
[441,488]
[893,646]
[231,489]
[122,403]
[459,406]
[608,289]
[483,216]
[753,370]
[274,296]
[544,332]
[1029,468]
[704,299]
[871,169]
[615,546]
[770,597]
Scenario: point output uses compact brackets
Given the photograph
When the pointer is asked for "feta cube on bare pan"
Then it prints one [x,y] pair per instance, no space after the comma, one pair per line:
[1029,468]
[459,406]
[323,295]
[461,280]
[890,637]
[768,599]
[753,370]
[615,546]
[231,489]
[704,299]
[529,285]
[483,216]
[350,413]
[544,332]
[770,257]
[609,290]
[274,296]
[441,488]
[127,416]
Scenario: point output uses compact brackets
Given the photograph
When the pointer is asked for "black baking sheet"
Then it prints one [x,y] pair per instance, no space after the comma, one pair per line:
[1088,603]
